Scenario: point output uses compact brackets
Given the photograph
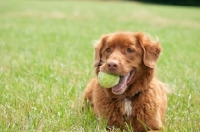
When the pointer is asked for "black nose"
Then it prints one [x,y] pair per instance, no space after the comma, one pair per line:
[112,65]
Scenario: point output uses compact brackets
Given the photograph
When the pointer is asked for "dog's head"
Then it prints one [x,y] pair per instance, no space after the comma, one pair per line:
[127,55]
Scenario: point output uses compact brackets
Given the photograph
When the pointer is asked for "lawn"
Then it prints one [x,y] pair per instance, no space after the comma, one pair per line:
[46,60]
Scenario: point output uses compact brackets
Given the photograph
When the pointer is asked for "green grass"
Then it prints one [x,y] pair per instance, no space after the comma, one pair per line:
[46,60]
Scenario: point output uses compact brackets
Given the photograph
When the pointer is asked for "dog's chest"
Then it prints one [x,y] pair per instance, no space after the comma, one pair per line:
[127,107]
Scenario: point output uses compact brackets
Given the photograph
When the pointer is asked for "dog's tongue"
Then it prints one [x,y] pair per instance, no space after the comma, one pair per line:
[122,84]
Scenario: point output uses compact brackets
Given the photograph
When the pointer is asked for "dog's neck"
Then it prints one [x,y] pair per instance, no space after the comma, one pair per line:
[133,96]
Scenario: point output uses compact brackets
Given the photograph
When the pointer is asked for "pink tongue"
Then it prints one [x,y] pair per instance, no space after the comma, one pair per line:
[121,84]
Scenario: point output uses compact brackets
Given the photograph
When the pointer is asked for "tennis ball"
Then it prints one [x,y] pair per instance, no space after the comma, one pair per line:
[107,80]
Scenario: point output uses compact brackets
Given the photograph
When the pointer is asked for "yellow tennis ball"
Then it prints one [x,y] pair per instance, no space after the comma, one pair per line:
[107,80]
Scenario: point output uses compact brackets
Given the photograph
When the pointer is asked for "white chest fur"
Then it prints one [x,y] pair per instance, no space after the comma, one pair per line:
[128,107]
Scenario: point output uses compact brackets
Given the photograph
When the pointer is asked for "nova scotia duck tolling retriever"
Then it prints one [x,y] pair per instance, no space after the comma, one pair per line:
[139,99]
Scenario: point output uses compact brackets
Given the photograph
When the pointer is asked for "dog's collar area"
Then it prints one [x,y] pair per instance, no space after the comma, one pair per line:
[135,95]
[127,97]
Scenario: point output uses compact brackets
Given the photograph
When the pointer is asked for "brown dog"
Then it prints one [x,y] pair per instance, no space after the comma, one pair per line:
[139,99]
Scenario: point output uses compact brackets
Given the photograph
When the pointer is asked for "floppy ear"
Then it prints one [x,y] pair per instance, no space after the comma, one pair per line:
[151,49]
[98,47]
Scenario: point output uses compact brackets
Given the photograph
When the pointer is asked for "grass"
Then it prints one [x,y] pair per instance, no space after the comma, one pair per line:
[47,55]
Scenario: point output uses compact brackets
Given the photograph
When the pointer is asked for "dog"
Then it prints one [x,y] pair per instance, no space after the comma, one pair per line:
[139,99]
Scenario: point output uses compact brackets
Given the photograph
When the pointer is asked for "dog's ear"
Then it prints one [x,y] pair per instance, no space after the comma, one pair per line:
[151,49]
[98,47]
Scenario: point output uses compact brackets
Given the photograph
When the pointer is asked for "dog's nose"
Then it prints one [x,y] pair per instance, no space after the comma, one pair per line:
[112,65]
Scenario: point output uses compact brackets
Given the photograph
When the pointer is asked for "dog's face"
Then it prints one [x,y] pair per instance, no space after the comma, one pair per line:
[125,54]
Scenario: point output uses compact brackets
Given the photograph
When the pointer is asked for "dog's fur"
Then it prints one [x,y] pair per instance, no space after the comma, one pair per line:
[142,101]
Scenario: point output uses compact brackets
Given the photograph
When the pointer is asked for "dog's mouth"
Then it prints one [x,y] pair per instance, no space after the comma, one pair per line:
[123,82]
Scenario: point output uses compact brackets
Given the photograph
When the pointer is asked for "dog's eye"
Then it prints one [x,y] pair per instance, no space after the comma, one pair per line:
[129,50]
[108,50]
